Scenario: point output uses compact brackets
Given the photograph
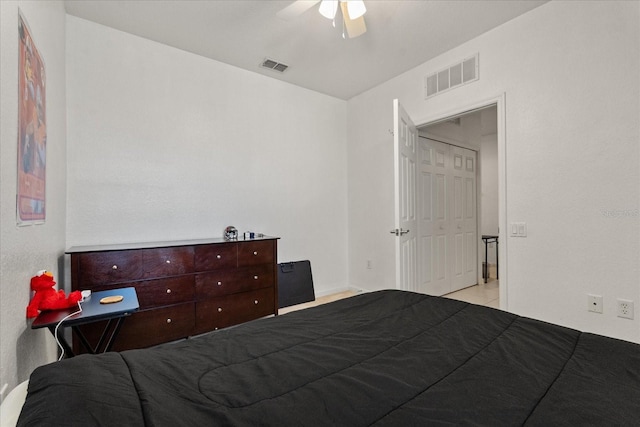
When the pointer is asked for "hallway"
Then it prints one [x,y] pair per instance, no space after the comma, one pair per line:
[487,294]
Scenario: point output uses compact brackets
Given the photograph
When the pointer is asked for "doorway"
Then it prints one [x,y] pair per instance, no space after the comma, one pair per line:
[485,120]
[471,139]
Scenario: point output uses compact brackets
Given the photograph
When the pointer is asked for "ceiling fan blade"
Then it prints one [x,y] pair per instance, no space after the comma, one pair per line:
[355,27]
[296,9]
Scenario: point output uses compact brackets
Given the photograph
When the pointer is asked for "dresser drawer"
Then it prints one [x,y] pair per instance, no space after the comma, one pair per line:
[96,268]
[225,282]
[259,276]
[161,292]
[217,283]
[255,253]
[229,310]
[162,262]
[217,256]
[151,327]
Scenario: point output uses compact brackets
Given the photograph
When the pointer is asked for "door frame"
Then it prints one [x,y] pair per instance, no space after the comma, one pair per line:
[500,102]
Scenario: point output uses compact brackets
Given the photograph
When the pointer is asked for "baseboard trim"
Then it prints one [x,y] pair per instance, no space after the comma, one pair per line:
[338,290]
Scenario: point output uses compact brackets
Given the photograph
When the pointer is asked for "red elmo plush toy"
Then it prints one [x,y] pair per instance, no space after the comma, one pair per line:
[46,297]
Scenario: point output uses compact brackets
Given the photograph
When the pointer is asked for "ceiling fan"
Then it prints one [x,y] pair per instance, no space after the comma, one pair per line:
[352,13]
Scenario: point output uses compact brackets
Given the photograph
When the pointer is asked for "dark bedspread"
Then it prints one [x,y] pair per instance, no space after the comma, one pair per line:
[382,358]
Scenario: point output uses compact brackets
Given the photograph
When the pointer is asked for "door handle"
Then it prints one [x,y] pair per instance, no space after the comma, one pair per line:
[399,232]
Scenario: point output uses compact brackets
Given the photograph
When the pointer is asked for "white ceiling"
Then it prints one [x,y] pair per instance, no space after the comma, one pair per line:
[400,35]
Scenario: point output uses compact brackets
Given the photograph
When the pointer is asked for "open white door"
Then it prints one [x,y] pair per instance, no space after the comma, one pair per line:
[404,139]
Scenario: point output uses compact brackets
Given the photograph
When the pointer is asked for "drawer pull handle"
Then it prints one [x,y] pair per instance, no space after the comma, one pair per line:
[115,267]
[256,302]
[255,277]
[218,256]
[255,252]
[168,261]
[168,320]
[168,291]
[219,309]
[219,283]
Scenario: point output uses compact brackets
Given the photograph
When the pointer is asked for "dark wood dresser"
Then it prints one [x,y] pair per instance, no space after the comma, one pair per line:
[184,288]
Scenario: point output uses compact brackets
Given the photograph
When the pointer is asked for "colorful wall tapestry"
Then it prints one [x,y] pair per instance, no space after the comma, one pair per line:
[32,130]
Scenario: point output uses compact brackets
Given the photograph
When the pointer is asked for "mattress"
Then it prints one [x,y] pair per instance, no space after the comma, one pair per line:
[387,358]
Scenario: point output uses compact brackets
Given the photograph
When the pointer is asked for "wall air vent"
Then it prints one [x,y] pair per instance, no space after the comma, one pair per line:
[274,65]
[461,73]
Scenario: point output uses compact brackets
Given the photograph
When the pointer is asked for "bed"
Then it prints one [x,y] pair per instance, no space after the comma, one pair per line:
[386,358]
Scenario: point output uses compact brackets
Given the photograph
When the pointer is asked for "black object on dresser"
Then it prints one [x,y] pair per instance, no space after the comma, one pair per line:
[184,288]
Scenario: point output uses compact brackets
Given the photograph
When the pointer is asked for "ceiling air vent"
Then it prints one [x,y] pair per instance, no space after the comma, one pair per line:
[461,73]
[274,65]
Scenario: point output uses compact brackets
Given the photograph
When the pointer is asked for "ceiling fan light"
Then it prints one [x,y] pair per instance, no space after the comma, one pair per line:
[354,27]
[356,8]
[328,8]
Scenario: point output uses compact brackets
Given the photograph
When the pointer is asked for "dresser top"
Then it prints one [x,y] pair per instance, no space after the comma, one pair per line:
[165,244]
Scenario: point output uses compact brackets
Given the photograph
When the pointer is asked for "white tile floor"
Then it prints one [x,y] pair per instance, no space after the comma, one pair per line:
[487,294]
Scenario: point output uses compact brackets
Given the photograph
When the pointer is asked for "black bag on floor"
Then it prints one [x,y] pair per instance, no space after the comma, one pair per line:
[295,283]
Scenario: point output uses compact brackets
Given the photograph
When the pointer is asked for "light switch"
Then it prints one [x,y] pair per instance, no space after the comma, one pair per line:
[522,229]
[518,229]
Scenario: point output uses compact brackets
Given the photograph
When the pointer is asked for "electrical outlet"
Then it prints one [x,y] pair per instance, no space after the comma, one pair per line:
[595,303]
[625,308]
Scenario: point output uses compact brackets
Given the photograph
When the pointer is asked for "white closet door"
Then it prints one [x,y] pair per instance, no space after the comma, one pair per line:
[464,225]
[434,224]
[447,226]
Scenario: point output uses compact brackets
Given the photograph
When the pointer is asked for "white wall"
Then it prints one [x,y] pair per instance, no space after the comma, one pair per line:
[489,164]
[569,72]
[489,185]
[25,250]
[165,144]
